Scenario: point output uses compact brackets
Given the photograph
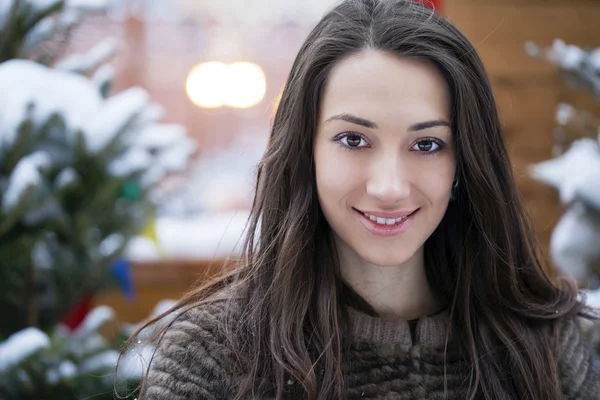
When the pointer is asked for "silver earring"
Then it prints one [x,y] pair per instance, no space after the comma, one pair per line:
[454,186]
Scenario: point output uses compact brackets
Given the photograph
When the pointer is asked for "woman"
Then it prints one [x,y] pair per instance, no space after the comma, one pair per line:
[388,253]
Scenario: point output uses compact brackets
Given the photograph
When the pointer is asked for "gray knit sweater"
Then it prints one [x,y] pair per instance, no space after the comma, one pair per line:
[387,360]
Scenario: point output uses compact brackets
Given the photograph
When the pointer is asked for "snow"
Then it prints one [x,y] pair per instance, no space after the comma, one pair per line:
[175,158]
[111,244]
[568,57]
[105,361]
[89,5]
[161,135]
[203,215]
[91,344]
[222,180]
[152,176]
[65,178]
[79,101]
[134,362]
[587,186]
[67,369]
[41,5]
[572,171]
[20,346]
[564,113]
[113,116]
[73,96]
[162,307]
[141,249]
[83,63]
[148,332]
[153,113]
[205,236]
[49,26]
[5,6]
[134,160]
[95,320]
[41,32]
[103,75]
[592,298]
[40,255]
[575,243]
[26,175]
[594,59]
[169,142]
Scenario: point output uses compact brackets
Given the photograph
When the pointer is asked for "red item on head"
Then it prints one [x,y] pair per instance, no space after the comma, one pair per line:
[433,4]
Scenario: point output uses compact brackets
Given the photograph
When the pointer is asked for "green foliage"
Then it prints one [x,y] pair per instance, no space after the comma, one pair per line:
[61,223]
[20,39]
[65,215]
[67,365]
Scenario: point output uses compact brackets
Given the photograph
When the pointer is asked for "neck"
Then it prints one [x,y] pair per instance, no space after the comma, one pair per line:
[400,291]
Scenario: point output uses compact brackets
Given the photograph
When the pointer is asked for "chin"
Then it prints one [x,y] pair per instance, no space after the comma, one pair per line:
[383,259]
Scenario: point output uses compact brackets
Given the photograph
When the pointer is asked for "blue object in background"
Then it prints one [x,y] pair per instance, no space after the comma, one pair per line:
[121,270]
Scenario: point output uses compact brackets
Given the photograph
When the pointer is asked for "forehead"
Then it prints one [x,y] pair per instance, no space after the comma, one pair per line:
[384,87]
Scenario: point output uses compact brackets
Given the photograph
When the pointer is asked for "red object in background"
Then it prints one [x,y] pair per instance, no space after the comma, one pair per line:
[78,313]
[433,4]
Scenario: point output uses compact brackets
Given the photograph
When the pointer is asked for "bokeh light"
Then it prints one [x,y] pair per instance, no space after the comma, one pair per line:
[215,84]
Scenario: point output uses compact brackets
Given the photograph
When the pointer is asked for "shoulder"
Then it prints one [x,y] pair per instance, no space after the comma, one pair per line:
[193,359]
[578,365]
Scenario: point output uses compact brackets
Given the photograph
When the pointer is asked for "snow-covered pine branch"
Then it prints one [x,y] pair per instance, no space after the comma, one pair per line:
[20,346]
[582,65]
[24,180]
[90,61]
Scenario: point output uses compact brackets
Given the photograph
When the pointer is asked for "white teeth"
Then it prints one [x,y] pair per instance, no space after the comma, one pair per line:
[385,221]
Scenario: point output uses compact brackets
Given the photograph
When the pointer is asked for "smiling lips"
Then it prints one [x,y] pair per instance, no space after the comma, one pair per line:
[387,223]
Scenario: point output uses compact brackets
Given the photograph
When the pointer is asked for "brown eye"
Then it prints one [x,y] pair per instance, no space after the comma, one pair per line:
[428,146]
[425,145]
[353,140]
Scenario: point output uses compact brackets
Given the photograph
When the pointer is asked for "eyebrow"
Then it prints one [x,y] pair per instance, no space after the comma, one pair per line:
[372,125]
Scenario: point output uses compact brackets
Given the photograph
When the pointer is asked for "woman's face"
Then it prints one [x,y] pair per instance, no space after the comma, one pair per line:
[384,155]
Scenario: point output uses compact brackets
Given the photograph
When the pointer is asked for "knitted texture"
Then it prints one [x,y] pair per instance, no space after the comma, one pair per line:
[384,360]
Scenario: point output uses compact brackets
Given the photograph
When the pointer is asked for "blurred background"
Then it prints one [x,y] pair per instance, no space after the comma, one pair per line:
[129,135]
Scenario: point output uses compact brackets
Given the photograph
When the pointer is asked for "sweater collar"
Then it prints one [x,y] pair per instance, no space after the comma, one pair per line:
[430,330]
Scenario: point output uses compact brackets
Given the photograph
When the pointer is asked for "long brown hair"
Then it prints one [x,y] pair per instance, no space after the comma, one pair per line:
[482,261]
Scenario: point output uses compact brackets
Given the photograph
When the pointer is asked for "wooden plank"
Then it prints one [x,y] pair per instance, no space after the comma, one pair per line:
[499,32]
[139,309]
[175,273]
[527,114]
[157,281]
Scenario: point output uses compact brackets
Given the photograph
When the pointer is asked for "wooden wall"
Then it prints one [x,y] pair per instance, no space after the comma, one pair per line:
[156,281]
[528,90]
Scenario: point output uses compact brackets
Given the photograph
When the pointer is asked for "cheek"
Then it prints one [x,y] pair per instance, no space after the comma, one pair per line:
[436,183]
[431,176]
[337,176]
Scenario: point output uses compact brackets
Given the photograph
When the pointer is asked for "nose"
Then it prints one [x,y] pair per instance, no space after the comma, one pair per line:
[388,181]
